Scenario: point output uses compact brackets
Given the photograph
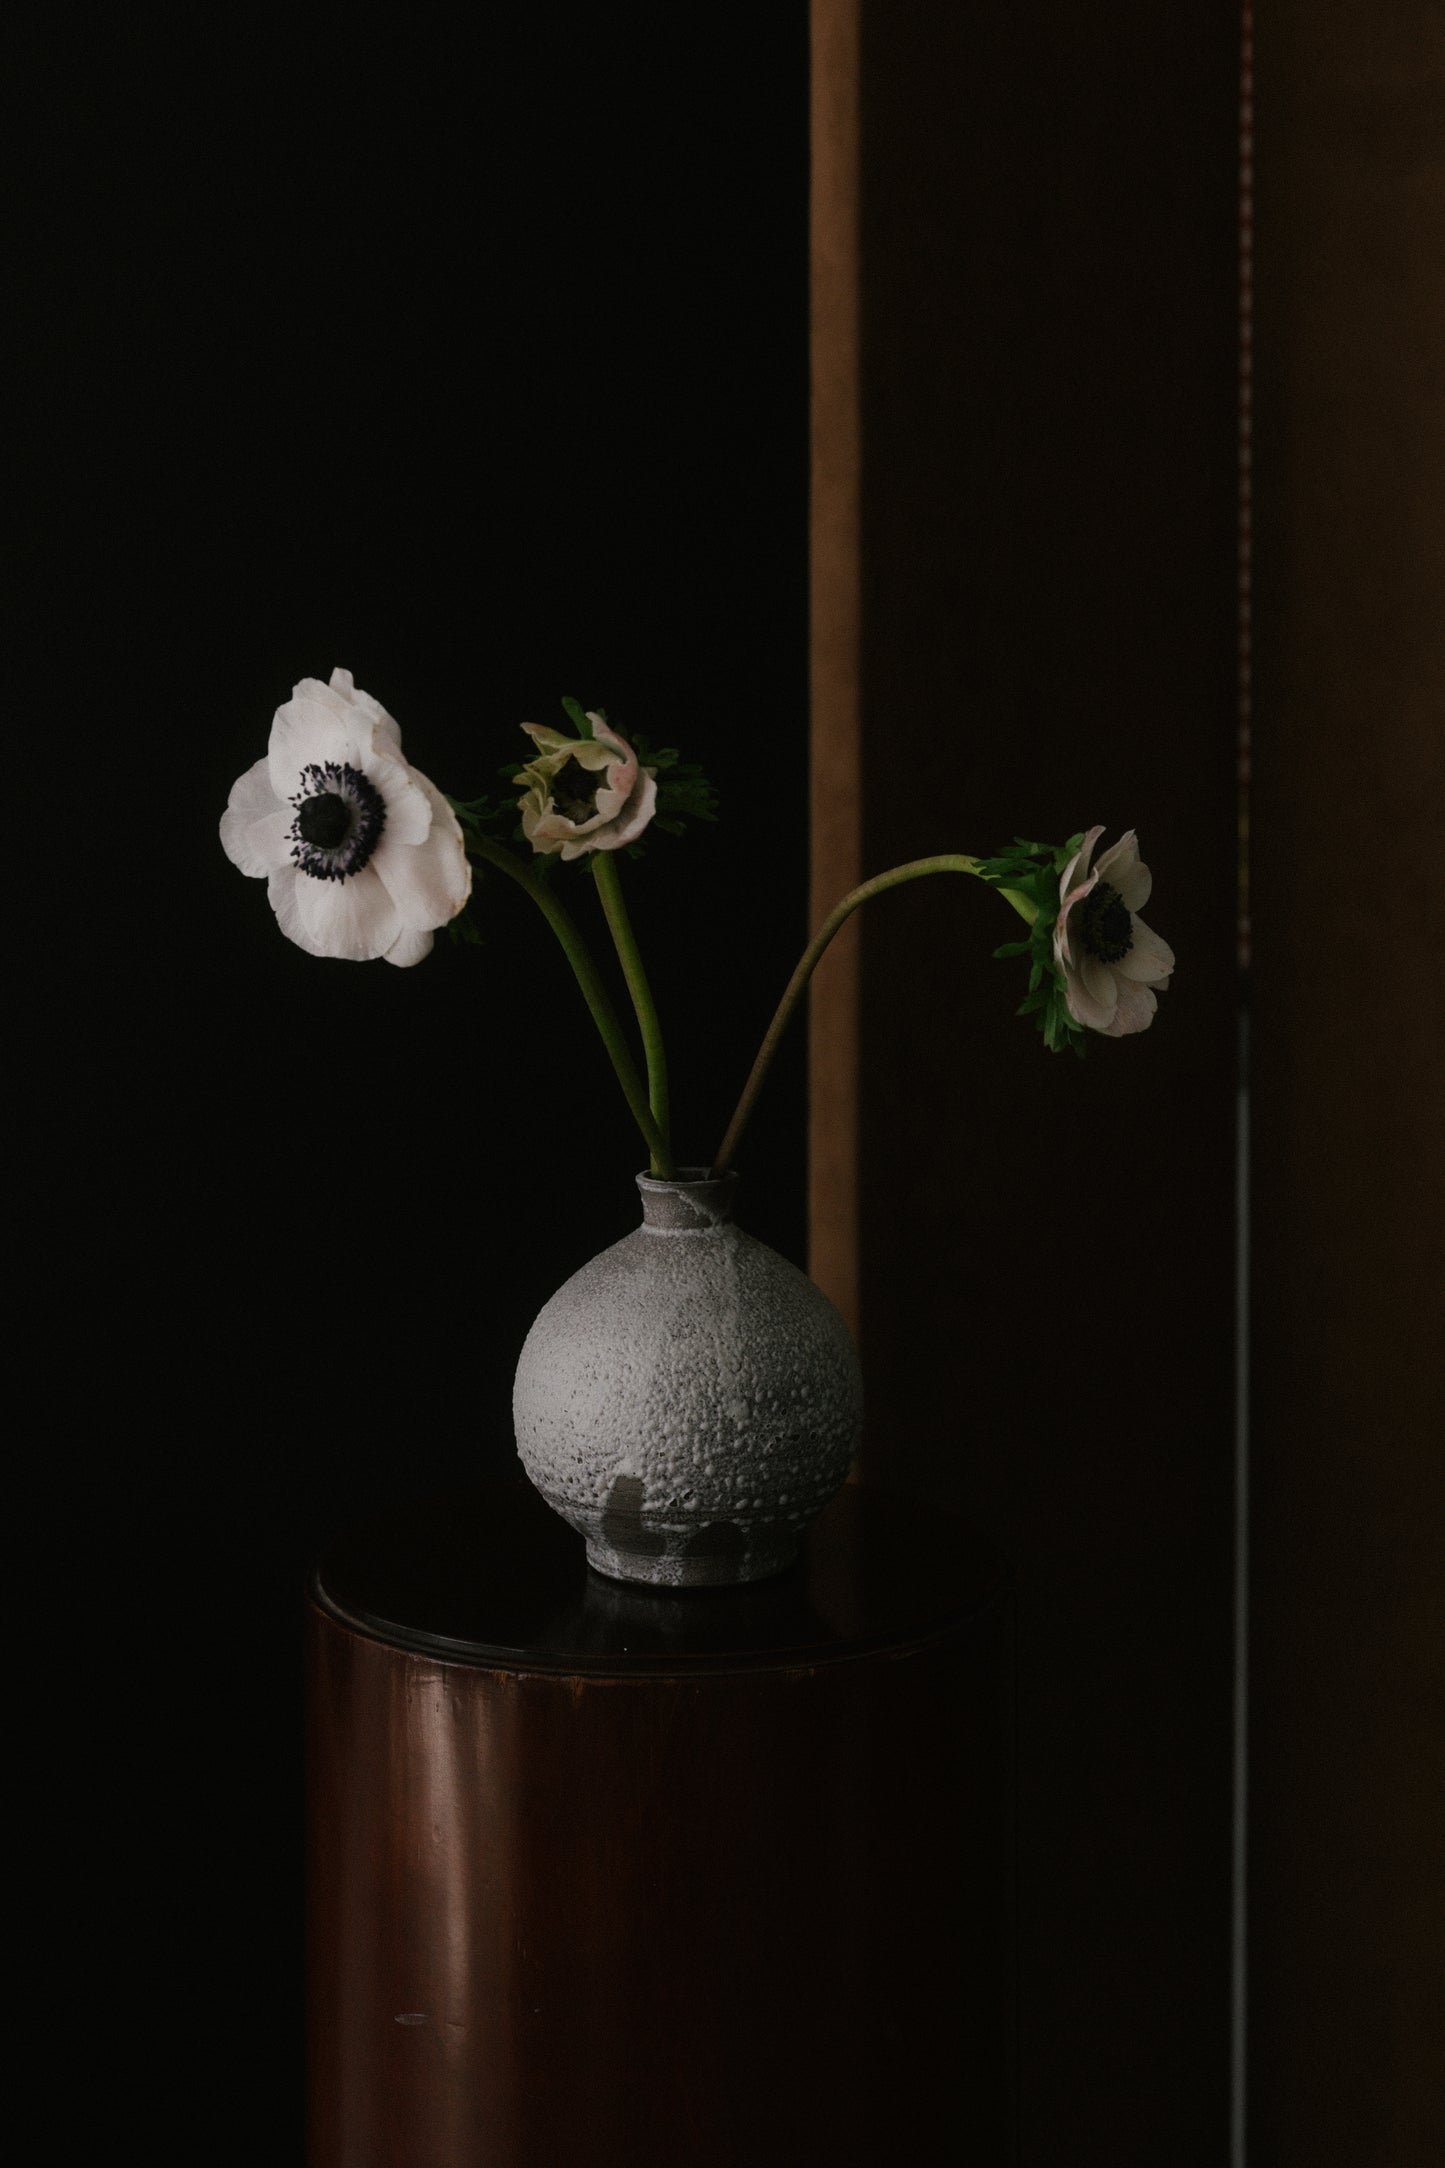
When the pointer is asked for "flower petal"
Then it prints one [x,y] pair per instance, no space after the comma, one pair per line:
[1113,864]
[1083,1007]
[1135,1011]
[546,831]
[281,890]
[1078,866]
[1149,960]
[319,694]
[1098,982]
[409,947]
[427,882]
[635,816]
[251,794]
[1123,868]
[408,809]
[255,824]
[1135,886]
[551,741]
[385,728]
[623,773]
[306,729]
[1062,952]
[355,918]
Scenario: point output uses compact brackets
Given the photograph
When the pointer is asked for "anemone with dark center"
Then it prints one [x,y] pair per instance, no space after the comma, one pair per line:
[361,854]
[1111,965]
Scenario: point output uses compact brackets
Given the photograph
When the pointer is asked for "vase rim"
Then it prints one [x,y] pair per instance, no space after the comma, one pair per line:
[693,1202]
[687,1178]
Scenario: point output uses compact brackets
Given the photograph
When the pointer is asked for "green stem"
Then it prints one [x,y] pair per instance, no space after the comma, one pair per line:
[609,888]
[594,992]
[894,878]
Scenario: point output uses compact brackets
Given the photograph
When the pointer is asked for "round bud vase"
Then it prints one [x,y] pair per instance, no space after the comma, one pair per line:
[689,1401]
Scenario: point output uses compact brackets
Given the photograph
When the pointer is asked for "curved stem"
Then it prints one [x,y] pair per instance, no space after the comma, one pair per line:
[609,888]
[594,992]
[953,862]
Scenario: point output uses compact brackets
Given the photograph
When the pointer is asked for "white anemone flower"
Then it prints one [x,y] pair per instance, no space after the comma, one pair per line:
[361,854]
[1113,965]
[584,794]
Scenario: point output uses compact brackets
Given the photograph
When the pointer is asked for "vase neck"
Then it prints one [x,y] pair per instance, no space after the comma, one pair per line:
[691,1205]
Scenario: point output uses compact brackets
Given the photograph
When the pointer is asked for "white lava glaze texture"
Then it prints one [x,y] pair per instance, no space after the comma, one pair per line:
[689,1401]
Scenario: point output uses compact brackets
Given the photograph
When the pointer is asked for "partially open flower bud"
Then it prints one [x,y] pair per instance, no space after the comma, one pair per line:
[584,794]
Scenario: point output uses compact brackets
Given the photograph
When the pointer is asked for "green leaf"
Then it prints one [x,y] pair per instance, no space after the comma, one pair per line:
[464,929]
[1014,948]
[577,716]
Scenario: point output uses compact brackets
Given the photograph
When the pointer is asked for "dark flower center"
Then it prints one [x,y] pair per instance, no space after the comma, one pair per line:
[339,819]
[575,788]
[1104,924]
[324,820]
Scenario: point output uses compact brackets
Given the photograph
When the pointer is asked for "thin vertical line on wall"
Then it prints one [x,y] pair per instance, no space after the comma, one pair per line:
[1239,1924]
[833,578]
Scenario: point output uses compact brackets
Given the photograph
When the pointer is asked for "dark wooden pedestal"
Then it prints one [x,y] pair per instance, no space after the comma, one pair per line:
[692,1880]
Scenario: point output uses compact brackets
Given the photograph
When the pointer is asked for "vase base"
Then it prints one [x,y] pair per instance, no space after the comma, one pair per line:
[729,1566]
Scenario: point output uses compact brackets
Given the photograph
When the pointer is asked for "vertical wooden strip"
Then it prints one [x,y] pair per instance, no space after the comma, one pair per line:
[835,863]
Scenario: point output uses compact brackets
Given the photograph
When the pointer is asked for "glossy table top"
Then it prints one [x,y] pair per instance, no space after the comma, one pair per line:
[491,1576]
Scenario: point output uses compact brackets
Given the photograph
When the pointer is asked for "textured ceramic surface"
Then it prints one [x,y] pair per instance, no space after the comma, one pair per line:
[689,1400]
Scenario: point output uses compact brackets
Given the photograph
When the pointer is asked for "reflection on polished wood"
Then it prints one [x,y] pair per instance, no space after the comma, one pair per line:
[604,1876]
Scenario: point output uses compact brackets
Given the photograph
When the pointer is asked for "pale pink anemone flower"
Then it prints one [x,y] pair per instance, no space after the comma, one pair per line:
[361,854]
[1111,961]
[584,794]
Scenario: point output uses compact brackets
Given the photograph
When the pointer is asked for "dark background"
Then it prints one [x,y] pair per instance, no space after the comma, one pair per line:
[468,350]
[473,357]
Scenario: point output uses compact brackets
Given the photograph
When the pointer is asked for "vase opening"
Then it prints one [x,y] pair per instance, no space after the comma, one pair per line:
[694,1202]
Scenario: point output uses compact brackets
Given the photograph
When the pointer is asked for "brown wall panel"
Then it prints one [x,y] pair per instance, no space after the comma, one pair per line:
[1347,1846]
[1047,639]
